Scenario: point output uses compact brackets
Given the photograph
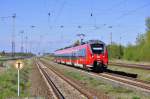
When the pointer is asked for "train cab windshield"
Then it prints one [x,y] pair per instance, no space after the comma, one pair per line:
[97,48]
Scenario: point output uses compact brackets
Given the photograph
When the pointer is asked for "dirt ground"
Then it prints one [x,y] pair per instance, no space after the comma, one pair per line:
[38,86]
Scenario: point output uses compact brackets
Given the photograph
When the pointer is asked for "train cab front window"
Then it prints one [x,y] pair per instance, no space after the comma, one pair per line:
[97,48]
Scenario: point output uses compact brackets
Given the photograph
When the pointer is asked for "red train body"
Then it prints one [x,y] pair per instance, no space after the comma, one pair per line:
[90,55]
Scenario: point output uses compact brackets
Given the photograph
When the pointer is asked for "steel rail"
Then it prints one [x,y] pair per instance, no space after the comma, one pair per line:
[51,83]
[140,66]
[127,81]
[82,91]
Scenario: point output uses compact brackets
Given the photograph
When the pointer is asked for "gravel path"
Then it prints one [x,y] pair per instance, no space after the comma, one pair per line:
[38,86]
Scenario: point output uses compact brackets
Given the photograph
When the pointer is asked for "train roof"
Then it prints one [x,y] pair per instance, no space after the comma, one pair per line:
[87,42]
[94,41]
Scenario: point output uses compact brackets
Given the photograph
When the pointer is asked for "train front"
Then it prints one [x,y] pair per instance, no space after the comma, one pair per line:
[99,56]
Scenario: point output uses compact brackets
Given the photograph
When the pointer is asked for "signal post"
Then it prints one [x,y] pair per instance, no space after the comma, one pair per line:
[19,66]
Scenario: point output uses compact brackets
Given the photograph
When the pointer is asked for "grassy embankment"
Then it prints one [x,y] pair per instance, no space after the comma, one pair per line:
[50,58]
[142,74]
[8,81]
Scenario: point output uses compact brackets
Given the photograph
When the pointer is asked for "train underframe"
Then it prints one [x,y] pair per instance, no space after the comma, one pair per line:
[98,66]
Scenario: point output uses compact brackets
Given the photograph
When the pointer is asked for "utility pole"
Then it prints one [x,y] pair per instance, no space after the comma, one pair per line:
[13,35]
[110,38]
[120,39]
[120,47]
[30,42]
[22,37]
[61,37]
[40,42]
[30,46]
[26,44]
[110,27]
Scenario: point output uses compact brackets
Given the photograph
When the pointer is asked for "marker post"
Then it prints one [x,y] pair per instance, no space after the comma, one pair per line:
[19,66]
[18,84]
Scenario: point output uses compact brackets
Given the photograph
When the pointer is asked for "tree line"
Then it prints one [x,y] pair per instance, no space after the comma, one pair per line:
[9,54]
[137,52]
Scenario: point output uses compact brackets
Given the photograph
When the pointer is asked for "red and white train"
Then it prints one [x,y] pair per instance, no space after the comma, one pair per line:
[91,55]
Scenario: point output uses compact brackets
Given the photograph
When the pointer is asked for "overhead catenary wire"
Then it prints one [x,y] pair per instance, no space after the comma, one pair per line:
[128,13]
[59,12]
[56,18]
[13,32]
[50,12]
[93,15]
[116,5]
[133,10]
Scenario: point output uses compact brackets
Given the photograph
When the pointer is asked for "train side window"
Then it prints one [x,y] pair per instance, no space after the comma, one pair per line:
[84,52]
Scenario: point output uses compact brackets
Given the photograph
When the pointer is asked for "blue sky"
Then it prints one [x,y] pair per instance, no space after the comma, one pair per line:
[127,18]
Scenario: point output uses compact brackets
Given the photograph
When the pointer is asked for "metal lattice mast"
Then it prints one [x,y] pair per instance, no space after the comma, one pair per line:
[13,35]
[26,44]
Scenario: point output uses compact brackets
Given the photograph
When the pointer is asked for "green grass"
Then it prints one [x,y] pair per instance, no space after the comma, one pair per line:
[48,58]
[135,97]
[8,82]
[142,74]
[1,62]
[96,84]
[128,62]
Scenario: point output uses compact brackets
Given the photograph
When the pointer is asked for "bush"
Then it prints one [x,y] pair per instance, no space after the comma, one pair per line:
[140,51]
[115,51]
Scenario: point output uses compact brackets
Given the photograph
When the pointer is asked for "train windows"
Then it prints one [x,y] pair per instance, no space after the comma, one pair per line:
[82,53]
[97,48]
[74,54]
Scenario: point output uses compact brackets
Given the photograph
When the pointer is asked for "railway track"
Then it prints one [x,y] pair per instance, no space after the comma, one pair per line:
[122,81]
[130,83]
[127,82]
[140,66]
[62,87]
[51,83]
